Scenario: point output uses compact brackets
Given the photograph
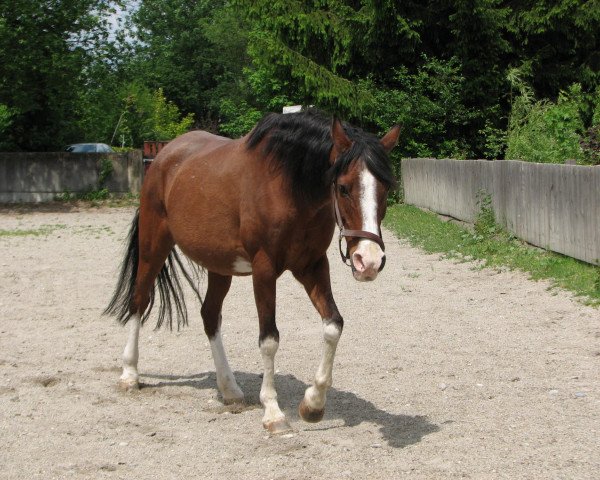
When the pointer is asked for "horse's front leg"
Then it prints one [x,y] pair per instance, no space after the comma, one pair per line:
[318,286]
[264,279]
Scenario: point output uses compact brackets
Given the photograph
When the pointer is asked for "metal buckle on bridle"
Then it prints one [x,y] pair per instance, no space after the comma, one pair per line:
[343,232]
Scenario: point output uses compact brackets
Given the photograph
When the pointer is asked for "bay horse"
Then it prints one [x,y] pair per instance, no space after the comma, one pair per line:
[258,205]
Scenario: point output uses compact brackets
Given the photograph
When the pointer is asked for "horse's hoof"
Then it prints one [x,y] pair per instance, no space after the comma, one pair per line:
[234,401]
[128,385]
[277,427]
[310,415]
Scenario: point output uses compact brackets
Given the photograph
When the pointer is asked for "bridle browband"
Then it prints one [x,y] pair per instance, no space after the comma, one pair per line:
[378,239]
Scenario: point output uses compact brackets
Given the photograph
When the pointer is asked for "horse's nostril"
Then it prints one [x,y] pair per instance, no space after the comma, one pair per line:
[382,264]
[357,260]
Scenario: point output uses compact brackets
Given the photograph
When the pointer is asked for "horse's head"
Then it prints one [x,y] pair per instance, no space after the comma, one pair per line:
[362,177]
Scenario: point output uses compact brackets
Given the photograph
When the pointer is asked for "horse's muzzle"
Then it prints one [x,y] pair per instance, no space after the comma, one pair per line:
[367,262]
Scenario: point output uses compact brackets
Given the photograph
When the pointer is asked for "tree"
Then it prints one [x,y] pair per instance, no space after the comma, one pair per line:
[559,41]
[195,51]
[46,45]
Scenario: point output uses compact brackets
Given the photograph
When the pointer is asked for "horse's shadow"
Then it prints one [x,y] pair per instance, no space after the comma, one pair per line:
[398,430]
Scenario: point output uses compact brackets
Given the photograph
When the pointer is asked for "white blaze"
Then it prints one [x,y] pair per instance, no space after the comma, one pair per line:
[368,201]
[368,255]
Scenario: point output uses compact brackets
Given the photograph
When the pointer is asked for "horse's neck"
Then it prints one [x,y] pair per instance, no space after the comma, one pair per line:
[315,213]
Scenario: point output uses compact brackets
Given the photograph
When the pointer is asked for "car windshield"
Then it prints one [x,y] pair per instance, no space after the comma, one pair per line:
[83,148]
[88,148]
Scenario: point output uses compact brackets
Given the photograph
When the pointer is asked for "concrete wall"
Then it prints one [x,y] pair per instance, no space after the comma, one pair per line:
[556,207]
[39,177]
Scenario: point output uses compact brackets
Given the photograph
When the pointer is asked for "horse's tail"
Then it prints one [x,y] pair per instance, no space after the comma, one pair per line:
[168,284]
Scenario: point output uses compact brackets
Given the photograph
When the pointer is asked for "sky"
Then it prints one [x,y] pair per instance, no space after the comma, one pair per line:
[117,19]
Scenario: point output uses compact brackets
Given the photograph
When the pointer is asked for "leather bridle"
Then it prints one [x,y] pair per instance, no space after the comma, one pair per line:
[344,233]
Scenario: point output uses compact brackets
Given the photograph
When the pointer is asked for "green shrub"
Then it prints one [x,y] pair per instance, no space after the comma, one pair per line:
[590,142]
[485,223]
[428,104]
[148,115]
[237,119]
[544,131]
[5,122]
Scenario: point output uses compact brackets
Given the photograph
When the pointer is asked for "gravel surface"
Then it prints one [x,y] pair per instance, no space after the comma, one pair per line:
[443,371]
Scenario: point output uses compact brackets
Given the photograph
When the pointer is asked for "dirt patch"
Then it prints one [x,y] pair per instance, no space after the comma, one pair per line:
[443,371]
[45,381]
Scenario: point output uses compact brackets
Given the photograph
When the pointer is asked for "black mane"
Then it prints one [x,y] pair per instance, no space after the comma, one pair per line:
[299,145]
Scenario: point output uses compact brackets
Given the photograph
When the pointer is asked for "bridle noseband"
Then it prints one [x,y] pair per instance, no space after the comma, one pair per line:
[378,239]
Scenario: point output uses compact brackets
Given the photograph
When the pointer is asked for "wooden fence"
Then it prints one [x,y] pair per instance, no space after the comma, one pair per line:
[556,207]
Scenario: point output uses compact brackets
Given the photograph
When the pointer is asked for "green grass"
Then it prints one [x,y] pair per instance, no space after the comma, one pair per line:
[494,247]
[91,200]
[47,229]
[41,231]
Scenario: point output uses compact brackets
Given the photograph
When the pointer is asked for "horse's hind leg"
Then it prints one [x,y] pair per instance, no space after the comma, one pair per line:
[130,378]
[155,244]
[218,286]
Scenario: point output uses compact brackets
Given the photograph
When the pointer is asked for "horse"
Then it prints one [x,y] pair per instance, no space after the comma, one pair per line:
[259,205]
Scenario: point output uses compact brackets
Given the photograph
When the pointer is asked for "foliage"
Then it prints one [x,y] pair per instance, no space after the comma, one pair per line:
[494,141]
[106,168]
[560,40]
[237,120]
[5,118]
[164,122]
[100,192]
[445,70]
[171,52]
[590,145]
[43,230]
[590,142]
[49,44]
[485,225]
[148,115]
[428,106]
[544,131]
[5,122]
[306,45]
[502,250]
[194,51]
[98,104]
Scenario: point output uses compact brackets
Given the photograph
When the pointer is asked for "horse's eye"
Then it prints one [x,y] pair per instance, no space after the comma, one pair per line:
[344,190]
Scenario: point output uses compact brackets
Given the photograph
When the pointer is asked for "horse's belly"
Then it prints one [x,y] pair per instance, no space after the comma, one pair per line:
[223,257]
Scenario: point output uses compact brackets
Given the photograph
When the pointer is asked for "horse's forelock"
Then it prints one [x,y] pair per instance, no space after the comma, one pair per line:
[368,149]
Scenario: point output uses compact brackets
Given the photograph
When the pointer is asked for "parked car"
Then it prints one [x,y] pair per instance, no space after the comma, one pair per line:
[89,148]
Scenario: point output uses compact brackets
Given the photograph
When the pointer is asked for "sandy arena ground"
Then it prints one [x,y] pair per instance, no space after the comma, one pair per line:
[443,371]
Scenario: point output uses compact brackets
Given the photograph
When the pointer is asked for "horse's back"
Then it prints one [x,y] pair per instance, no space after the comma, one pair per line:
[179,157]
[187,146]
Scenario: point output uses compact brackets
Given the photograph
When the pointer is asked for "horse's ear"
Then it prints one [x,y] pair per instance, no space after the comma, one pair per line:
[390,139]
[341,142]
